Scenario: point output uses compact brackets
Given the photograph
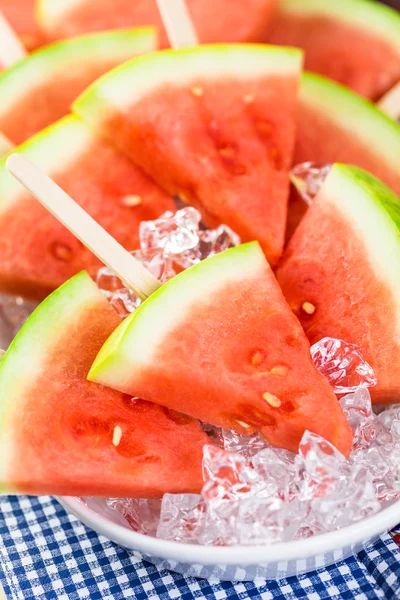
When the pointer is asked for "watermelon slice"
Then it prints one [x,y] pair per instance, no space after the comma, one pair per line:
[212,124]
[61,434]
[336,125]
[20,15]
[37,252]
[230,353]
[343,260]
[39,89]
[214,20]
[355,42]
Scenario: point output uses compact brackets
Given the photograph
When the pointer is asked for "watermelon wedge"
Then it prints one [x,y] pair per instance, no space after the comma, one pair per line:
[214,125]
[214,20]
[343,260]
[230,353]
[337,125]
[39,89]
[20,15]
[61,434]
[355,42]
[37,253]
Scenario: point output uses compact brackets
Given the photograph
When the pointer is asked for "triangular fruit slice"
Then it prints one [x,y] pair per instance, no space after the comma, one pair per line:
[40,89]
[37,253]
[231,353]
[355,42]
[214,125]
[214,20]
[337,125]
[61,434]
[20,15]
[340,272]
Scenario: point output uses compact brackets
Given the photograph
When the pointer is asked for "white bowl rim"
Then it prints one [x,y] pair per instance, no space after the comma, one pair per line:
[363,530]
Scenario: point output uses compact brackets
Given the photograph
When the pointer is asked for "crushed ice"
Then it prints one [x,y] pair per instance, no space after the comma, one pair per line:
[167,245]
[308,178]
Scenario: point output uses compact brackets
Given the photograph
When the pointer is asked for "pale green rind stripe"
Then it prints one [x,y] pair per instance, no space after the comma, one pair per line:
[125,85]
[26,357]
[53,149]
[95,48]
[356,114]
[133,343]
[374,192]
[372,211]
[370,15]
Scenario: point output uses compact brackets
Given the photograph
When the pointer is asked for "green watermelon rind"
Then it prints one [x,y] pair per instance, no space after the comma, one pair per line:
[370,15]
[126,84]
[44,64]
[26,356]
[373,212]
[354,113]
[115,359]
[52,149]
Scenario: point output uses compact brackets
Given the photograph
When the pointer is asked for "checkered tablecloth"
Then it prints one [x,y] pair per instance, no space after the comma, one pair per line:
[47,554]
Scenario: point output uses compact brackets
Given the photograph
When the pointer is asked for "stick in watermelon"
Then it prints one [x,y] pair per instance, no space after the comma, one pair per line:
[390,102]
[133,274]
[178,24]
[11,47]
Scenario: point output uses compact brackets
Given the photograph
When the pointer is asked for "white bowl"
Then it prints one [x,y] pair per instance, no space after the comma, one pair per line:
[237,563]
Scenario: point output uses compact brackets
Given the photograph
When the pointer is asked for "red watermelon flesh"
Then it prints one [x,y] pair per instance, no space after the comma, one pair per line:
[230,353]
[220,135]
[38,253]
[336,125]
[214,20]
[20,15]
[39,89]
[343,260]
[356,43]
[57,433]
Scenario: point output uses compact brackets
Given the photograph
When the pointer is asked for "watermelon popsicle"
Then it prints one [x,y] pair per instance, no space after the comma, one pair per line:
[356,43]
[343,261]
[336,125]
[61,434]
[119,197]
[39,89]
[220,120]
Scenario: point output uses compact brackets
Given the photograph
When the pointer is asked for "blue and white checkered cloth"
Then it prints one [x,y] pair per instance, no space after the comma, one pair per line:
[46,554]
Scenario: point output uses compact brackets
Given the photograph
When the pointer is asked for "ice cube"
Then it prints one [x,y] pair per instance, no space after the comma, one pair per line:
[352,498]
[245,445]
[357,409]
[276,467]
[308,178]
[213,241]
[173,234]
[108,282]
[227,476]
[342,364]
[142,515]
[318,466]
[182,518]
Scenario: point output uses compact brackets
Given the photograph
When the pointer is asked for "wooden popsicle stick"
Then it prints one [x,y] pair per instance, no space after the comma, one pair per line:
[390,102]
[178,23]
[133,274]
[11,47]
